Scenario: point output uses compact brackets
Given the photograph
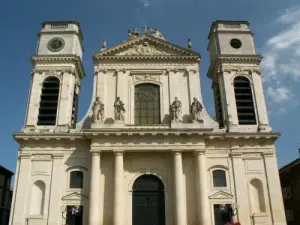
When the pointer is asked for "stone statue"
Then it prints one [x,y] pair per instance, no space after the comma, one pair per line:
[189,43]
[176,110]
[98,111]
[119,109]
[104,43]
[196,110]
[157,33]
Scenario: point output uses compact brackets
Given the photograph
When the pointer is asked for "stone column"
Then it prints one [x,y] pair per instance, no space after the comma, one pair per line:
[201,187]
[179,194]
[274,189]
[118,189]
[94,197]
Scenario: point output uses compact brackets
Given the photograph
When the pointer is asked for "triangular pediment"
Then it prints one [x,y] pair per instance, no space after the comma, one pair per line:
[146,45]
[221,195]
[74,196]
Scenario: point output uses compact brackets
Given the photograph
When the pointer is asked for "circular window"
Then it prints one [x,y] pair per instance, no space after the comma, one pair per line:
[235,43]
[56,44]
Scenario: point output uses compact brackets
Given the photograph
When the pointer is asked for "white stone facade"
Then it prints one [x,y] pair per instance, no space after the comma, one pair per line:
[113,154]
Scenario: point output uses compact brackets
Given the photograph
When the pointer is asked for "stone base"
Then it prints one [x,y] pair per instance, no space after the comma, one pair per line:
[116,124]
[260,219]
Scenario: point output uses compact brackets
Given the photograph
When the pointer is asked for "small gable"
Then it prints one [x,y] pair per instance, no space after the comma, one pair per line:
[221,195]
[74,196]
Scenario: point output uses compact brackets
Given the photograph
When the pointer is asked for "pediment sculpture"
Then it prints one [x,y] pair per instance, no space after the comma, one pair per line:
[119,109]
[175,109]
[196,110]
[144,48]
[98,111]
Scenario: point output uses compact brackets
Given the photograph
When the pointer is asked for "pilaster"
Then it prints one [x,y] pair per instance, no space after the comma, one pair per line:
[241,192]
[55,193]
[274,189]
[64,113]
[261,108]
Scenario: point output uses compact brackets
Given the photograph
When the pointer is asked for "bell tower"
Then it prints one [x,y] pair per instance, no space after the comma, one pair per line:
[235,73]
[56,75]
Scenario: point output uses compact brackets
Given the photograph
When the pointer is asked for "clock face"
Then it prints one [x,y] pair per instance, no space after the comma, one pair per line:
[56,44]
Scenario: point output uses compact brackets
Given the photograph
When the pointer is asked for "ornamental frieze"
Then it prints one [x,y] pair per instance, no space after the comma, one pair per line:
[143,49]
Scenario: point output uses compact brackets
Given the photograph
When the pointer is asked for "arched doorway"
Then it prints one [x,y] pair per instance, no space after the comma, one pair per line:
[148,201]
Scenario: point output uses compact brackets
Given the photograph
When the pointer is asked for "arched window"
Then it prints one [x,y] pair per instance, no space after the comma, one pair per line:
[257,196]
[37,198]
[244,101]
[76,179]
[49,101]
[147,104]
[219,178]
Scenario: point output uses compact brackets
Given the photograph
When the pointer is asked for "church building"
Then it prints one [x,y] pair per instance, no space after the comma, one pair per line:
[146,152]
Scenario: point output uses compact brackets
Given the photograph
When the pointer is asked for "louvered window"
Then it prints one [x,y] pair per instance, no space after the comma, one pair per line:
[74,109]
[244,101]
[218,105]
[49,101]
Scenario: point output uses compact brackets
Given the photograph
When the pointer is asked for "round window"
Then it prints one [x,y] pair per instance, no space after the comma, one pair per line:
[235,43]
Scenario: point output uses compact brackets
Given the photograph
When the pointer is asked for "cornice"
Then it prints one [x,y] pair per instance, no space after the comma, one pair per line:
[148,57]
[20,137]
[233,59]
[150,38]
[61,58]
[89,134]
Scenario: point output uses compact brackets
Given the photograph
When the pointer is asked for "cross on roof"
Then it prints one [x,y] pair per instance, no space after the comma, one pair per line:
[145,29]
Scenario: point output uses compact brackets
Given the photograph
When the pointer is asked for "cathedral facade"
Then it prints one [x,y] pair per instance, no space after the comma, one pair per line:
[146,152]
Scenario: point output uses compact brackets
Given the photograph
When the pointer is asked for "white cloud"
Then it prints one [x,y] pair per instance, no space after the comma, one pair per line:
[145,3]
[281,64]
[279,94]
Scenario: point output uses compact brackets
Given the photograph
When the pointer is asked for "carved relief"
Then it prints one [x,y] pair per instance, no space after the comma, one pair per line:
[143,49]
[145,77]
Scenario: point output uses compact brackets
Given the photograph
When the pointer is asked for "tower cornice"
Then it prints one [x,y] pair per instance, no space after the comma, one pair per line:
[59,59]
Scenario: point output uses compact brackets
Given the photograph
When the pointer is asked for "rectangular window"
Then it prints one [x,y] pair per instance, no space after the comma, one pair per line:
[286,192]
[289,215]
[2,180]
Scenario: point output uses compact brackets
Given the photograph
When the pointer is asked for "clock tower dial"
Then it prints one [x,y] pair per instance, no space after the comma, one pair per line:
[56,44]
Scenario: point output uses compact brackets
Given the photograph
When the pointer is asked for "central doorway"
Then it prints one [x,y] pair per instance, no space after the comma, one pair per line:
[148,201]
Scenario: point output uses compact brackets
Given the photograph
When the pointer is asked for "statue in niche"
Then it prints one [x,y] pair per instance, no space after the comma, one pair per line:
[196,110]
[98,111]
[119,109]
[176,110]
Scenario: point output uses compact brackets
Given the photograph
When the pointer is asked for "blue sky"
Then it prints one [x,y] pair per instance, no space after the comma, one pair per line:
[276,25]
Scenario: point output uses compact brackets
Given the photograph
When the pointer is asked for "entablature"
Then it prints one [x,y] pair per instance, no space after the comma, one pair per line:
[43,60]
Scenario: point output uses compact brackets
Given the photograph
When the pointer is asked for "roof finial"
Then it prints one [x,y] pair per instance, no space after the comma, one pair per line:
[189,43]
[104,43]
[145,29]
